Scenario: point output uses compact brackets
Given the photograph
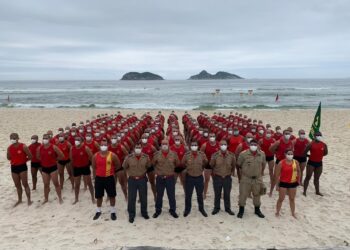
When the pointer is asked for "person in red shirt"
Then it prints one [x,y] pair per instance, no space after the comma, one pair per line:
[279,147]
[104,165]
[80,156]
[18,154]
[64,146]
[35,163]
[235,140]
[278,134]
[209,148]
[120,175]
[287,174]
[265,144]
[299,149]
[49,154]
[179,148]
[149,149]
[318,149]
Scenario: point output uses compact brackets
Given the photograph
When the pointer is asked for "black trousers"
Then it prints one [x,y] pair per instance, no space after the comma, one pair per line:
[191,183]
[220,184]
[168,184]
[139,185]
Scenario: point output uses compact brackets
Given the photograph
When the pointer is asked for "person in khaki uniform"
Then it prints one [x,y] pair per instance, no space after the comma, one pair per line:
[165,161]
[223,164]
[137,165]
[250,163]
[194,162]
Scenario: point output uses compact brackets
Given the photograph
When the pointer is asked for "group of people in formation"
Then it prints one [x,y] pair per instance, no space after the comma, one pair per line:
[136,151]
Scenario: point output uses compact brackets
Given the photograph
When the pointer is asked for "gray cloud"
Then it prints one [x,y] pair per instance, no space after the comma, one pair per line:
[87,39]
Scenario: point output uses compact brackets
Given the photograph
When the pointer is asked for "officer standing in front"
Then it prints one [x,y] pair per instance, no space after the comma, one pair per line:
[223,164]
[194,162]
[164,162]
[250,163]
[137,165]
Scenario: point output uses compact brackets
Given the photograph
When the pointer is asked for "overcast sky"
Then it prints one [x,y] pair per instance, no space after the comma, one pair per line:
[98,39]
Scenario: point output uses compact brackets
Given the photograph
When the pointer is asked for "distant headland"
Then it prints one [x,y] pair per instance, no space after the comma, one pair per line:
[141,76]
[220,75]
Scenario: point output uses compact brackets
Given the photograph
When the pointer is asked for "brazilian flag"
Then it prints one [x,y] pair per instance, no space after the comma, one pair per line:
[315,127]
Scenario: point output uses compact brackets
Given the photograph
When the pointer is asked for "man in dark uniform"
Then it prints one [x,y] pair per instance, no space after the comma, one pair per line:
[251,162]
[136,166]
[223,164]
[164,162]
[194,162]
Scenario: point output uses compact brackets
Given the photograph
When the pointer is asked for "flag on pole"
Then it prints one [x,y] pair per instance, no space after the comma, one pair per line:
[315,127]
[277,97]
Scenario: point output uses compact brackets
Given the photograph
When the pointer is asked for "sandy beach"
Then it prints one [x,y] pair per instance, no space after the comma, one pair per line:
[322,221]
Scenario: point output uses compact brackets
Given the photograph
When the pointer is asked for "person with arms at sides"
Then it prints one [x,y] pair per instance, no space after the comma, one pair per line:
[35,163]
[65,146]
[18,154]
[299,150]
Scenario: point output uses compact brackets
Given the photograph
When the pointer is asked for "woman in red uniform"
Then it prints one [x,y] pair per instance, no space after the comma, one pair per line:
[48,154]
[35,163]
[179,148]
[287,174]
[80,156]
[299,152]
[120,175]
[280,146]
[64,145]
[318,149]
[265,144]
[18,154]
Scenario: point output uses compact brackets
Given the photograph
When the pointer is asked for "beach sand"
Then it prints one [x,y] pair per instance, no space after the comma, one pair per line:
[322,221]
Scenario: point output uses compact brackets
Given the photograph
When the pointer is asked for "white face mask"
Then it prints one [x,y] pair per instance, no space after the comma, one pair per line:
[114,141]
[33,141]
[249,139]
[45,141]
[73,133]
[147,134]
[223,147]
[261,131]
[244,126]
[205,134]
[88,138]
[253,130]
[319,138]
[279,131]
[67,130]
[137,151]
[13,141]
[144,140]
[97,134]
[177,143]
[175,133]
[230,132]
[253,148]
[302,136]
[104,148]
[287,137]
[289,157]
[61,139]
[194,148]
[268,135]
[77,143]
[212,139]
[200,132]
[89,130]
[81,131]
[165,147]
[236,132]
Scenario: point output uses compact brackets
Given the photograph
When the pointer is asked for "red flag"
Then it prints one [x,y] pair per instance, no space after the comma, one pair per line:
[277,97]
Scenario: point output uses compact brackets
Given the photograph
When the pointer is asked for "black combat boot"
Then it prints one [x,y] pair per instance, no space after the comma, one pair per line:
[259,213]
[240,212]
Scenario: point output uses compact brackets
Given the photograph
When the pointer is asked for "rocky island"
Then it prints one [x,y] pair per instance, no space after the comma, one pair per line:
[141,76]
[220,75]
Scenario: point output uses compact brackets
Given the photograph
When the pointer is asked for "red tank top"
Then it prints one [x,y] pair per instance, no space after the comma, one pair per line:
[92,146]
[148,150]
[104,165]
[17,154]
[282,148]
[266,143]
[63,146]
[118,151]
[289,173]
[316,151]
[180,151]
[48,156]
[210,150]
[79,157]
[299,147]
[234,142]
[33,148]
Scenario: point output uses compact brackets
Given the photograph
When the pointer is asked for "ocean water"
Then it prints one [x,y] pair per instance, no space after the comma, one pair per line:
[182,94]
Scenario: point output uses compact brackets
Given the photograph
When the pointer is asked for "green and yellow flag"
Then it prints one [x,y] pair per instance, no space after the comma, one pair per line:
[315,127]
